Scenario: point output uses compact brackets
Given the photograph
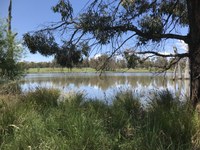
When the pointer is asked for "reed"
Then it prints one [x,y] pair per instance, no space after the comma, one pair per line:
[38,121]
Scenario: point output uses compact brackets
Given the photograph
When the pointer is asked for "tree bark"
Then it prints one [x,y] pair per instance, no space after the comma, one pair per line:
[194,49]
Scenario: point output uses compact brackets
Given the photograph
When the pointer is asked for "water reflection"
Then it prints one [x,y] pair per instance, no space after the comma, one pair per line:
[107,85]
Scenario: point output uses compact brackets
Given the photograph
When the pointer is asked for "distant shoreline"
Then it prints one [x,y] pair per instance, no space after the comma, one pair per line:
[82,70]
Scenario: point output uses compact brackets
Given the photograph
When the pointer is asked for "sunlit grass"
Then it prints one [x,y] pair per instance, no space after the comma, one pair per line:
[45,70]
[38,121]
[51,70]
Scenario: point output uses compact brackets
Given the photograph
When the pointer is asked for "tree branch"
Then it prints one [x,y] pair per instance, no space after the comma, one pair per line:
[133,28]
[182,55]
[57,25]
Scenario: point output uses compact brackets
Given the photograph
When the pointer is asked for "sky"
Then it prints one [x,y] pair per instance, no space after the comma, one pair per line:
[30,15]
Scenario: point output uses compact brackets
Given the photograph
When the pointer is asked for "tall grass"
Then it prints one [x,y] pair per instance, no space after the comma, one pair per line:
[39,121]
[11,87]
[168,123]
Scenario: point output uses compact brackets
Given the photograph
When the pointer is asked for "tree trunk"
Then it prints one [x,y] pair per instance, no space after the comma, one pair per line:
[195,75]
[9,16]
[194,49]
[9,32]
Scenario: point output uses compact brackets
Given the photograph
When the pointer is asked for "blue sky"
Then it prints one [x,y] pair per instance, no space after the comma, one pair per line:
[30,15]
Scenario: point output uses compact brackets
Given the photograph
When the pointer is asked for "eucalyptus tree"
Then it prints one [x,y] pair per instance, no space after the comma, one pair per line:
[115,22]
[10,50]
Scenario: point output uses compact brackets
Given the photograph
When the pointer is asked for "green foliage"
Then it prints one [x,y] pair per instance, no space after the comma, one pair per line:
[43,43]
[168,123]
[96,25]
[65,126]
[7,119]
[107,20]
[110,22]
[132,60]
[78,123]
[64,8]
[130,104]
[151,25]
[66,55]
[10,54]
[196,136]
[70,55]
[124,115]
[178,12]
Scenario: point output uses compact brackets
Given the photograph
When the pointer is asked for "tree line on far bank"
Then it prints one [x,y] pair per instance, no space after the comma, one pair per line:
[103,62]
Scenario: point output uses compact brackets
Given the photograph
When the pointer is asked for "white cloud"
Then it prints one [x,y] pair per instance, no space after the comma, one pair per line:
[97,56]
[182,45]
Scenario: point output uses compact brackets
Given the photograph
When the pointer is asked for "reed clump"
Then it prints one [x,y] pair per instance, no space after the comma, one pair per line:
[39,120]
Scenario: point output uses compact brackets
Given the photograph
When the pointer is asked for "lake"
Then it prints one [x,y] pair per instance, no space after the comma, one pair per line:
[106,85]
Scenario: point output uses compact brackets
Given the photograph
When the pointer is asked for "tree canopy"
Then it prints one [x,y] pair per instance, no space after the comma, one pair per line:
[105,22]
[140,21]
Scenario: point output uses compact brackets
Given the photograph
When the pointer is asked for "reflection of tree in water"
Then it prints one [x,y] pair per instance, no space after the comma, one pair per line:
[106,82]
[180,87]
[142,80]
[103,82]
[187,87]
[160,82]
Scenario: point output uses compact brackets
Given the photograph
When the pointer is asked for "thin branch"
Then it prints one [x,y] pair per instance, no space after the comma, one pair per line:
[173,62]
[79,38]
[104,64]
[169,66]
[174,6]
[74,33]
[58,25]
[182,55]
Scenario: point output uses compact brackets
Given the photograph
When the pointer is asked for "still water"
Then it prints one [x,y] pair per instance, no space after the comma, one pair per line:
[106,85]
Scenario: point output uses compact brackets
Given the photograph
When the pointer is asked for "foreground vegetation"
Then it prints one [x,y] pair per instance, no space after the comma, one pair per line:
[42,119]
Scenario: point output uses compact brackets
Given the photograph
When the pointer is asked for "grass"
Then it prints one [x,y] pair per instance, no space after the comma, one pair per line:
[51,70]
[38,121]
[45,70]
